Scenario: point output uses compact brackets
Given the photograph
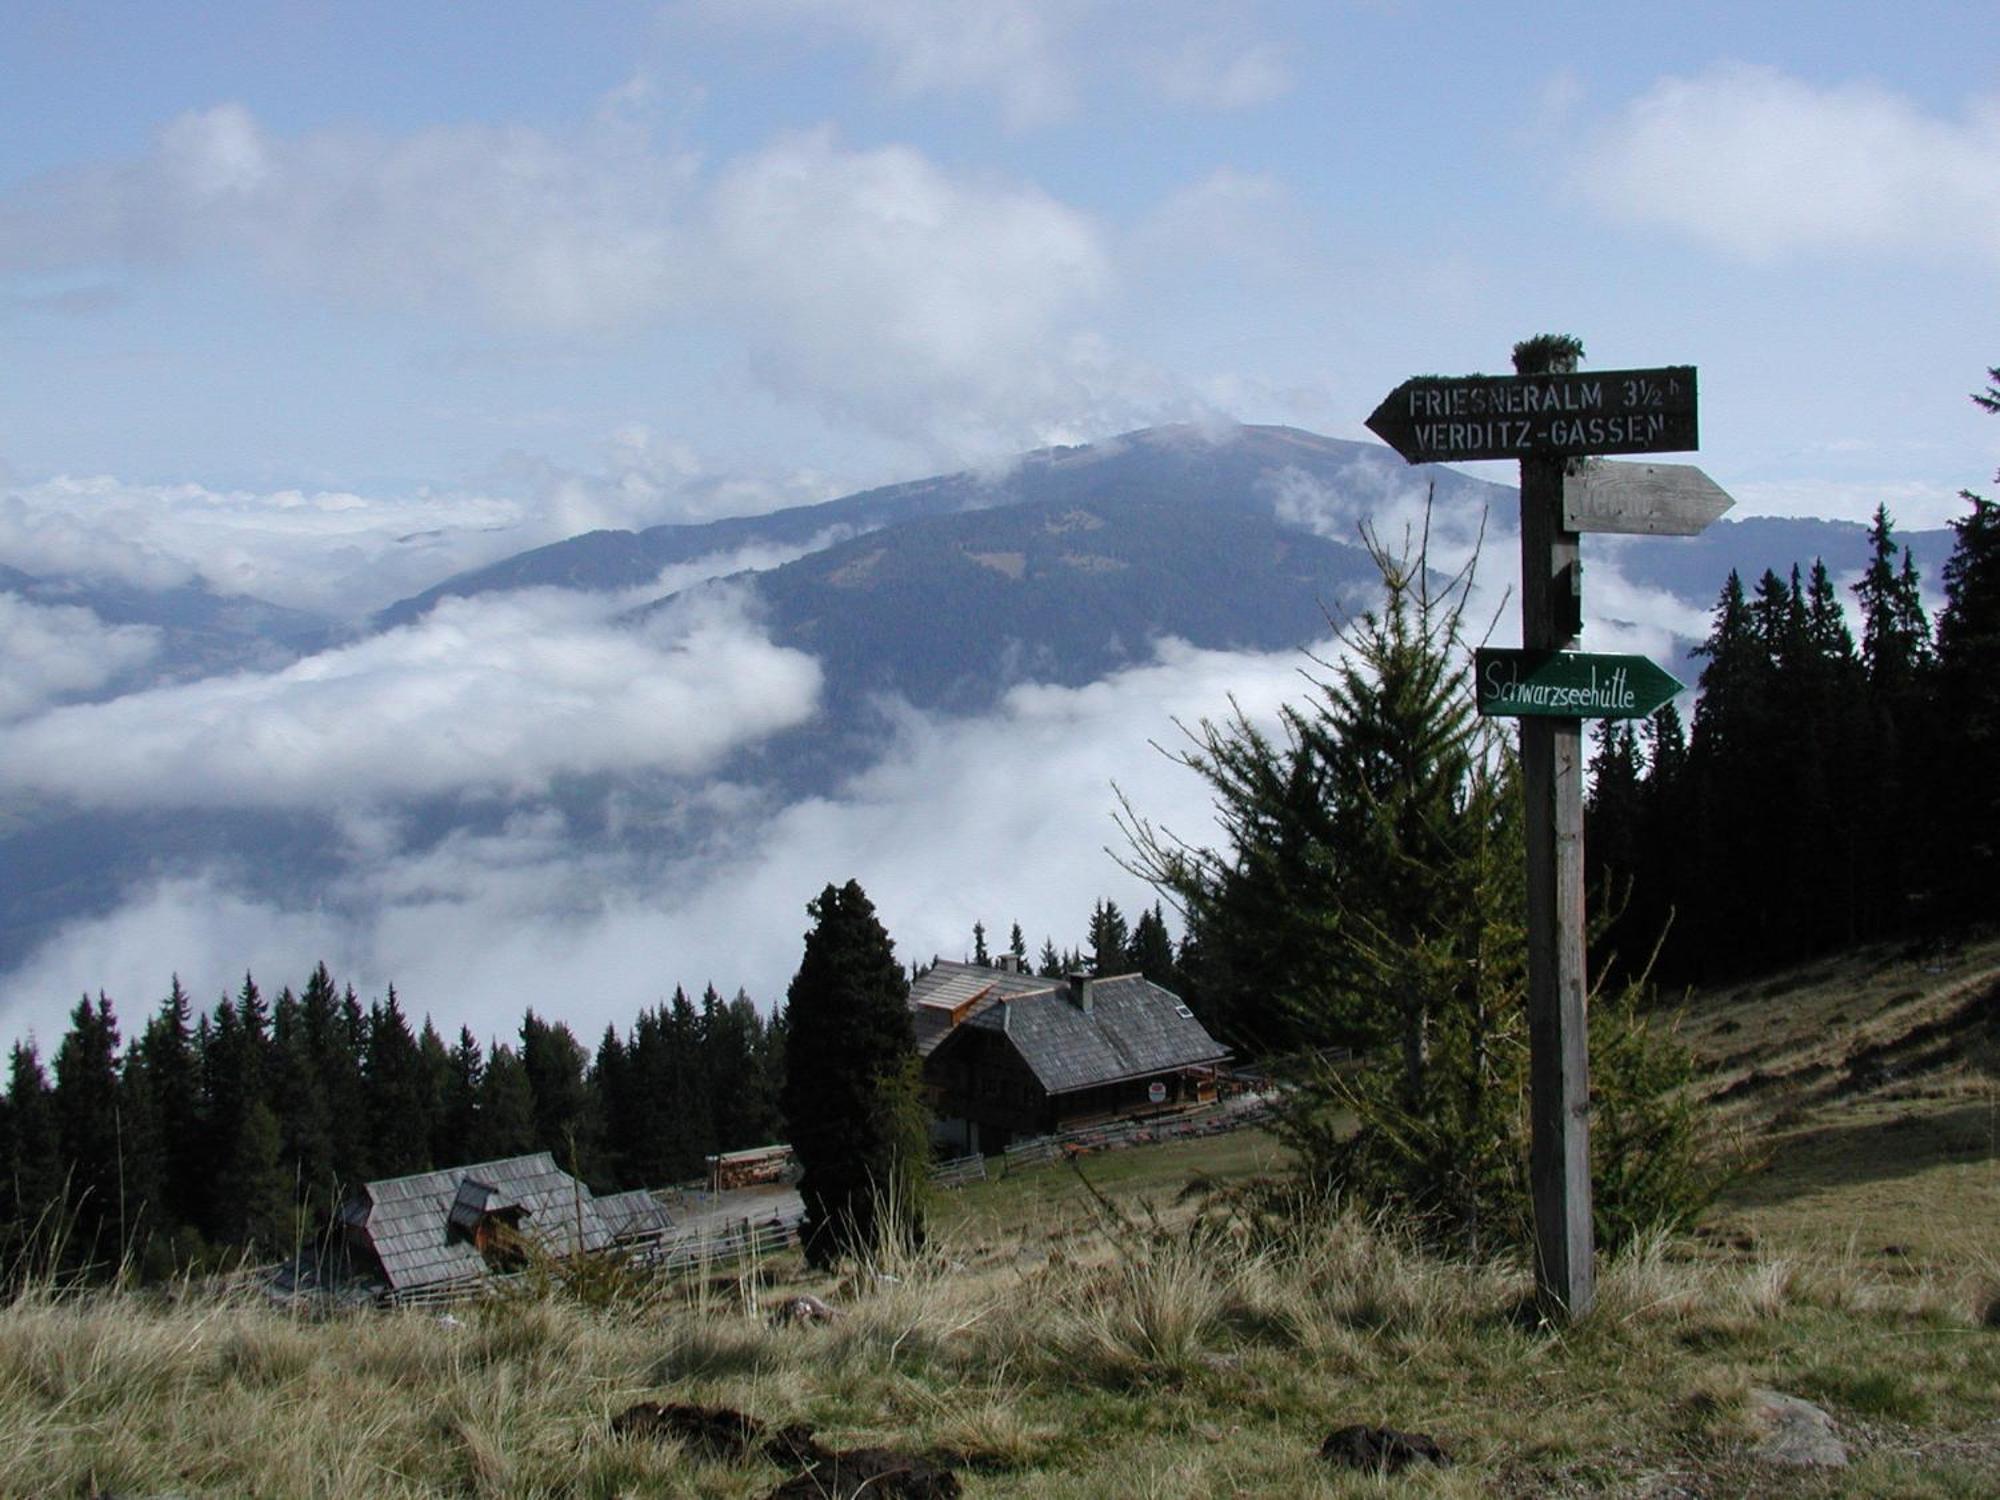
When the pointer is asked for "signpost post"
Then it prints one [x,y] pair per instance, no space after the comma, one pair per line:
[1550,419]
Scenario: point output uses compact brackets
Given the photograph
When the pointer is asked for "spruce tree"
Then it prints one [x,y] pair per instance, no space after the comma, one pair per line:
[305,1125]
[148,1232]
[1968,694]
[1402,813]
[554,1062]
[1895,636]
[1050,964]
[457,1141]
[1151,950]
[399,1126]
[89,1139]
[1109,934]
[31,1193]
[506,1107]
[167,1050]
[851,1099]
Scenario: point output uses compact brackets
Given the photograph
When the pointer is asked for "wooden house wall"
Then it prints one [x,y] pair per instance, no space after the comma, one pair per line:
[981,1078]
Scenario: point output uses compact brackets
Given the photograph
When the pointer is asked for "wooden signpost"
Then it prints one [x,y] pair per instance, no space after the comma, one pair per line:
[1547,419]
[1455,419]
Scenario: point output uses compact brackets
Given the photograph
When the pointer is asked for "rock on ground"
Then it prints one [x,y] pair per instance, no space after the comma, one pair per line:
[1794,1432]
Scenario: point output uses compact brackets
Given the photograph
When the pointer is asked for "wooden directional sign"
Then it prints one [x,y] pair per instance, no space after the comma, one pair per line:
[1568,685]
[1453,419]
[1642,499]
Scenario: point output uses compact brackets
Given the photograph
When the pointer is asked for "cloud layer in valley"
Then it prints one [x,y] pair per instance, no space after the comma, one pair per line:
[486,697]
[52,652]
[998,819]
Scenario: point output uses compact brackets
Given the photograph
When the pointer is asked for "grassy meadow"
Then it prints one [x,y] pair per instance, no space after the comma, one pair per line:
[1066,1337]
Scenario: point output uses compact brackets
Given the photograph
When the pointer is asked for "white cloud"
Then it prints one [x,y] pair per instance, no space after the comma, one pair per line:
[1764,166]
[331,552]
[1015,51]
[510,224]
[876,287]
[1002,819]
[51,652]
[488,696]
[1034,59]
[346,555]
[873,285]
[1217,72]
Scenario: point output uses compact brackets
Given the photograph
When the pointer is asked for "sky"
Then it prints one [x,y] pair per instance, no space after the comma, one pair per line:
[320,302]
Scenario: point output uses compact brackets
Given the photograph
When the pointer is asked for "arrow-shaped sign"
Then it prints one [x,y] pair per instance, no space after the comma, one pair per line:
[1568,685]
[1643,499]
[1457,418]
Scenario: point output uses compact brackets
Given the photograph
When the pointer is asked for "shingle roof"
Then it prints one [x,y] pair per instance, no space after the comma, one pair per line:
[950,994]
[634,1213]
[407,1221]
[1133,1028]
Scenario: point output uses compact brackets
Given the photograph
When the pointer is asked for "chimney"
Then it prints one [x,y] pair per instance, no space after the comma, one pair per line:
[1079,991]
[1008,964]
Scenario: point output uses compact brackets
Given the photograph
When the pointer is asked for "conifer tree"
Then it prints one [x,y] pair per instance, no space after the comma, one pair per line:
[146,1230]
[256,1190]
[506,1107]
[32,1191]
[1109,935]
[1151,950]
[89,1140]
[305,1125]
[554,1062]
[1895,635]
[166,1048]
[458,1137]
[236,1069]
[734,1068]
[399,1125]
[1404,811]
[851,1100]
[1968,689]
[1050,964]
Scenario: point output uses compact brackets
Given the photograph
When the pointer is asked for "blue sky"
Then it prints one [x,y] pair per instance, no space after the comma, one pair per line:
[772,249]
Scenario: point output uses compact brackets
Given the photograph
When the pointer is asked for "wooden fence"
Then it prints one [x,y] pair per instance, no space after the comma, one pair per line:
[959,1171]
[1218,1119]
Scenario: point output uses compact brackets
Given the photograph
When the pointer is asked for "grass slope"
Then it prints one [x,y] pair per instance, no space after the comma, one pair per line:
[1072,1338]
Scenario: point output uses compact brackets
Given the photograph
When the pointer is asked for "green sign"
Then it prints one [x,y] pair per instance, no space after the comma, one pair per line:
[1568,685]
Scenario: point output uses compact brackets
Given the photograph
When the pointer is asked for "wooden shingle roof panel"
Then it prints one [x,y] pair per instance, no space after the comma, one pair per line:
[407,1220]
[1133,1028]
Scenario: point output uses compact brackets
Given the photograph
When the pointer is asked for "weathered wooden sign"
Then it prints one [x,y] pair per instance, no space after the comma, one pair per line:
[1568,685]
[1547,415]
[1643,499]
[1458,418]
